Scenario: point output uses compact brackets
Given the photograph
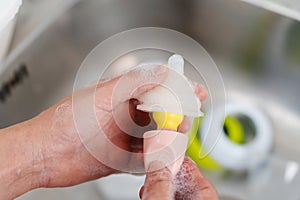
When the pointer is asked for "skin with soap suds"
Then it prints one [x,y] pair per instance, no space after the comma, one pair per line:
[188,184]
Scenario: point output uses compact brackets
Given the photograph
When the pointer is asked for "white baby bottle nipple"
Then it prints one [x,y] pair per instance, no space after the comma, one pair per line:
[175,95]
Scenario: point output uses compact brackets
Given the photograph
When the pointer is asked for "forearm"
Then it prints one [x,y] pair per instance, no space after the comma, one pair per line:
[45,151]
[21,161]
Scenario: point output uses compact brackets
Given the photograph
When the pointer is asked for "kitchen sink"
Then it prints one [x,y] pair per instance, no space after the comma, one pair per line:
[256,51]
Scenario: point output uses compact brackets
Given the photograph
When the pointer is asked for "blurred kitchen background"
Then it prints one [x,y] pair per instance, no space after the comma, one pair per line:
[255,44]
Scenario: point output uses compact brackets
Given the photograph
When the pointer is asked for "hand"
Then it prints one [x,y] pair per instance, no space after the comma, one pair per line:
[73,162]
[75,147]
[57,153]
[189,183]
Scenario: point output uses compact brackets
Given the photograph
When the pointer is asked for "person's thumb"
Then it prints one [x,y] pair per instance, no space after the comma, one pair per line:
[159,183]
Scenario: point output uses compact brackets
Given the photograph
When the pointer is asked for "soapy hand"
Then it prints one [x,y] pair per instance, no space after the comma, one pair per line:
[83,140]
[64,145]
[189,183]
[69,157]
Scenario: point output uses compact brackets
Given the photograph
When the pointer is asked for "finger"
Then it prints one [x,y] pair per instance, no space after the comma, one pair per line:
[133,83]
[191,184]
[200,92]
[145,79]
[158,183]
[185,125]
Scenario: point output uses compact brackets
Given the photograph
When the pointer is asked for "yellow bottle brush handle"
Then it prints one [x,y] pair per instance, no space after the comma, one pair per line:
[166,120]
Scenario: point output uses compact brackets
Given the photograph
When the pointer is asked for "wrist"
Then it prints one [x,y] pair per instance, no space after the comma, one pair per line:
[21,166]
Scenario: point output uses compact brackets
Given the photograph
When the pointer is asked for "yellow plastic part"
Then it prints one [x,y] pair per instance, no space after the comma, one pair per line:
[235,130]
[201,158]
[196,151]
[167,120]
